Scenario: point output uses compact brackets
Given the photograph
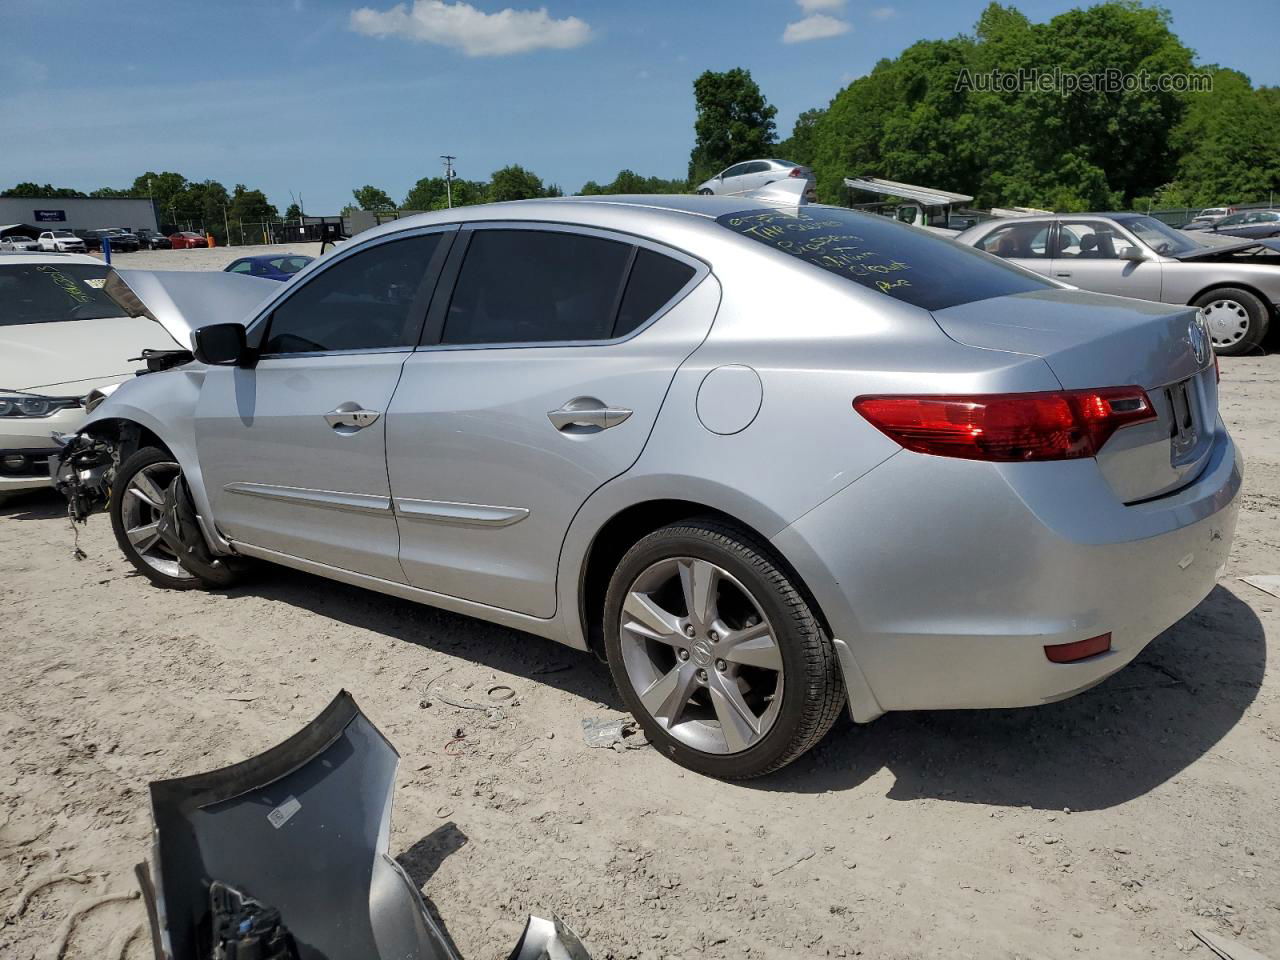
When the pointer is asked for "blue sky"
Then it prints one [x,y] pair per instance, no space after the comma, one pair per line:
[316,97]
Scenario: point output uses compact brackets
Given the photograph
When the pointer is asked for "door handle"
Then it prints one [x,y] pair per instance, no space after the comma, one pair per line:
[586,415]
[349,417]
[1067,274]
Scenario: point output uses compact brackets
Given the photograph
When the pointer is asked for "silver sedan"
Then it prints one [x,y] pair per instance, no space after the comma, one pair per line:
[772,462]
[1235,282]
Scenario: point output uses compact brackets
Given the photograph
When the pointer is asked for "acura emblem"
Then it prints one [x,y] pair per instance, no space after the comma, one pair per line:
[1199,341]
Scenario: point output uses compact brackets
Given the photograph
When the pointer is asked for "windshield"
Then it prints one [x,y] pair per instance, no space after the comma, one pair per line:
[906,263]
[65,233]
[1160,237]
[47,293]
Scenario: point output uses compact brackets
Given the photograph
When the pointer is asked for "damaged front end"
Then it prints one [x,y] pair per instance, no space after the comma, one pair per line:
[82,471]
[284,857]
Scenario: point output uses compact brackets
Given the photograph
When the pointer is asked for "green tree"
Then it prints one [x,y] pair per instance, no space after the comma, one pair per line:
[293,212]
[164,189]
[628,181]
[514,182]
[45,191]
[429,194]
[734,122]
[915,118]
[1228,145]
[370,197]
[112,193]
[799,147]
[246,211]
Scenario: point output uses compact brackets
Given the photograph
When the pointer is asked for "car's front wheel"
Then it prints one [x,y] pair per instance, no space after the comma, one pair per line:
[139,496]
[1237,318]
[717,653]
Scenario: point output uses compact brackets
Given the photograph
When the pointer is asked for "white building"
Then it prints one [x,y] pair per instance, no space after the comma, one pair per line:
[79,213]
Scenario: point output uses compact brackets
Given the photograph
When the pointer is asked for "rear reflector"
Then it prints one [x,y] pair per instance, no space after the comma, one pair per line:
[1053,425]
[796,172]
[1078,650]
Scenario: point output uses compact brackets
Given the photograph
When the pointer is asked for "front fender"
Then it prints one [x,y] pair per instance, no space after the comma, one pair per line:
[164,404]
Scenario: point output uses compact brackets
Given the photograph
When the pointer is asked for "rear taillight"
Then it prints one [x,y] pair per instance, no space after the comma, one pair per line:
[1054,425]
[796,172]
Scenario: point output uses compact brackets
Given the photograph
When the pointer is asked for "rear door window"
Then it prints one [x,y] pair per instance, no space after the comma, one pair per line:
[536,286]
[655,279]
[906,263]
[1026,241]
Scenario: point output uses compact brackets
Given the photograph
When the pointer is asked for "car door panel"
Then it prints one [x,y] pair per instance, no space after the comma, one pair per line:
[485,484]
[282,477]
[293,448]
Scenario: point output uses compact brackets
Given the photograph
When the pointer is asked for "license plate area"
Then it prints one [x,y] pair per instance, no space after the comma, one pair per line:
[1184,427]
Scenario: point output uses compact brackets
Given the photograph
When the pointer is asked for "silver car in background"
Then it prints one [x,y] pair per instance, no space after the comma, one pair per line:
[754,175]
[771,461]
[1235,283]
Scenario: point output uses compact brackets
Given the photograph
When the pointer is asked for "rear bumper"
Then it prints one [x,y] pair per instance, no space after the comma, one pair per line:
[947,578]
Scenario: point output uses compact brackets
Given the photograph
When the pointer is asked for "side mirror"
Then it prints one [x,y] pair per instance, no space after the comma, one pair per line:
[1133,255]
[222,344]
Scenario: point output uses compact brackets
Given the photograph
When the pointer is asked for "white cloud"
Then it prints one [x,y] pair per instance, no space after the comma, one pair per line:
[816,27]
[474,32]
[817,6]
[882,13]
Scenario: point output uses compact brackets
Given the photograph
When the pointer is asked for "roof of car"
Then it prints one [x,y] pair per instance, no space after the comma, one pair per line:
[8,257]
[689,208]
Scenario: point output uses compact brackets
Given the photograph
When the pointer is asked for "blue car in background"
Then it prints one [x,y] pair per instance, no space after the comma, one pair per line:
[272,266]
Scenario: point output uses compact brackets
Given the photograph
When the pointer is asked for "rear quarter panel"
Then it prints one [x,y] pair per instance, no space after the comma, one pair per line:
[816,342]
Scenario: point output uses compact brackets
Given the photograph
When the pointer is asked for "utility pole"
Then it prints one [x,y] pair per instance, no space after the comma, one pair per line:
[448,176]
[226,226]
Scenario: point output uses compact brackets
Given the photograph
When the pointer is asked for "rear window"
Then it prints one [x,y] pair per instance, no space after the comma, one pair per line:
[47,293]
[906,263]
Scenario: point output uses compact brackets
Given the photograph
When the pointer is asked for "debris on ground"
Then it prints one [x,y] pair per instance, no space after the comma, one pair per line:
[1267,583]
[620,734]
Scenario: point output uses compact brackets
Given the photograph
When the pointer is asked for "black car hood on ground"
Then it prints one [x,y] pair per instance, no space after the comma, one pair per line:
[1259,248]
[285,856]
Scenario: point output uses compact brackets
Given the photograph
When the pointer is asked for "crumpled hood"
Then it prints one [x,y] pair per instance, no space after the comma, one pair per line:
[71,357]
[185,300]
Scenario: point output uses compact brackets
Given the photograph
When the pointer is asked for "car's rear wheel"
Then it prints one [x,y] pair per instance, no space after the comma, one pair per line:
[717,653]
[704,192]
[137,502]
[1237,319]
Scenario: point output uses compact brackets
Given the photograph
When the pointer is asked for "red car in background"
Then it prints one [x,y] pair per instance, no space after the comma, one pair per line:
[186,240]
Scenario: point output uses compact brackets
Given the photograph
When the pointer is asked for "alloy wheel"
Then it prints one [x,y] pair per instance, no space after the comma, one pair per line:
[1228,321]
[141,507]
[701,655]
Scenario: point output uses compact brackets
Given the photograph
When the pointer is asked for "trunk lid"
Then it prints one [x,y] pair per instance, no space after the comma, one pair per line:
[1093,340]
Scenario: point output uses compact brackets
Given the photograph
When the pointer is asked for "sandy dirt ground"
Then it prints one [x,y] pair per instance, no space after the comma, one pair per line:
[1109,825]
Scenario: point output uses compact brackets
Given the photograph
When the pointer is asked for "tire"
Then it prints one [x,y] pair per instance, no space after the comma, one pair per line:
[1238,320]
[133,509]
[755,645]
[704,193]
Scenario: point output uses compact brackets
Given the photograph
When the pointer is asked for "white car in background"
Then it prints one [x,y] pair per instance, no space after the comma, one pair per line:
[18,242]
[60,241]
[753,175]
[66,336]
